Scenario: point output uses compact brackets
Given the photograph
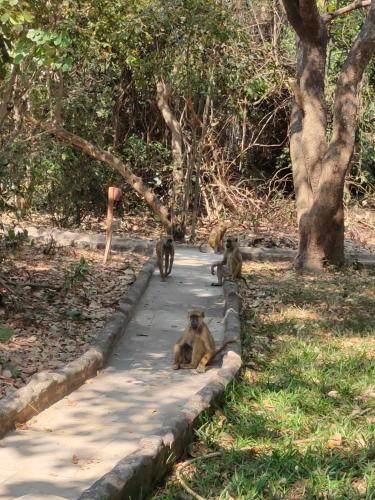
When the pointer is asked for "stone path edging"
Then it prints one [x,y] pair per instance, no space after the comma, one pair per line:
[263,254]
[86,240]
[133,477]
[47,387]
[119,243]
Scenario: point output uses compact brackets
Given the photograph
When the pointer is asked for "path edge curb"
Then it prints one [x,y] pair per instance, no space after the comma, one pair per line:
[47,387]
[134,477]
[93,241]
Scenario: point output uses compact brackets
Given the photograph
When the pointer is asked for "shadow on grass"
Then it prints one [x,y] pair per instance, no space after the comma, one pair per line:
[285,473]
[308,343]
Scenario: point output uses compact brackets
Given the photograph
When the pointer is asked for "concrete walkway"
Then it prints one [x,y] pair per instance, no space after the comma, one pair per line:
[77,440]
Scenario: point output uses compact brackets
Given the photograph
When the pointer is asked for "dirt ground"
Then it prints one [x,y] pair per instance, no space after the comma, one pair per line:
[53,305]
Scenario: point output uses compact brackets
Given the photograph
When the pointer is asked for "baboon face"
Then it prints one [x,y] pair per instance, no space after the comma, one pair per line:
[178,232]
[231,243]
[169,243]
[196,318]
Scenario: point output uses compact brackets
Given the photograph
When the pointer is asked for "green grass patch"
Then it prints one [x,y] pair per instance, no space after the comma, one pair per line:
[5,334]
[300,421]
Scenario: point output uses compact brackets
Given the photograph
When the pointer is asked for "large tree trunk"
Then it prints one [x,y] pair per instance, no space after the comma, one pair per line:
[319,166]
[134,182]
[163,94]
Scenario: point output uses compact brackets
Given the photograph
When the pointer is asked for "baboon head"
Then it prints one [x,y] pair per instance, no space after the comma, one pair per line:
[169,242]
[196,318]
[231,243]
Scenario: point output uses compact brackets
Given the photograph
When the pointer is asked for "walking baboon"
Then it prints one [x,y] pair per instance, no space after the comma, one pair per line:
[165,256]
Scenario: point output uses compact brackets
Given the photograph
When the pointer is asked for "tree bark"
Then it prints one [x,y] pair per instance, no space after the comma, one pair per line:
[163,94]
[7,96]
[319,166]
[134,182]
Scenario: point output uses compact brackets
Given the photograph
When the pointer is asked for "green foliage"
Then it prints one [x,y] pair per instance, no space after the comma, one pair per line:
[13,238]
[7,365]
[5,334]
[78,270]
[109,56]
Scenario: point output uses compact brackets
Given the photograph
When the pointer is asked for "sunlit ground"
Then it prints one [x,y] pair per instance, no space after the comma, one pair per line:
[300,421]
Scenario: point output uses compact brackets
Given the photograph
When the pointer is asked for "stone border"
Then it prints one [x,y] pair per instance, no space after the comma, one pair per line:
[86,240]
[47,387]
[262,254]
[135,476]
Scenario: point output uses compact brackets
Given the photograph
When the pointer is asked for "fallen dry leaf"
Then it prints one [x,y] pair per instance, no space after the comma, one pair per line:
[334,441]
[361,442]
[268,405]
[333,394]
[251,376]
[360,485]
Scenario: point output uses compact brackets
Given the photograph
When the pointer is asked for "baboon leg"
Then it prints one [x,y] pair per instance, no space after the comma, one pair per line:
[166,262]
[177,357]
[219,273]
[160,266]
[201,368]
[198,353]
[171,259]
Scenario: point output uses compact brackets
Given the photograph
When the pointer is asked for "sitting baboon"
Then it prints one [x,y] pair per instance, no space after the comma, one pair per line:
[196,348]
[231,265]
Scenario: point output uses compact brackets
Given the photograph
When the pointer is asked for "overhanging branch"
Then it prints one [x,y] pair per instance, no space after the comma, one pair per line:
[134,181]
[357,4]
[346,97]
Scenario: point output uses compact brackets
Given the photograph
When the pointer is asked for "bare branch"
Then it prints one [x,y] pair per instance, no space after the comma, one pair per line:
[6,98]
[59,99]
[357,4]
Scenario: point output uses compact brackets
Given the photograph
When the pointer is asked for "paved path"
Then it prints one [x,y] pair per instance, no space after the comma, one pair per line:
[74,442]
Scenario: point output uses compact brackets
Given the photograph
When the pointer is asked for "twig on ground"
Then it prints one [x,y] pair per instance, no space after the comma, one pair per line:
[188,462]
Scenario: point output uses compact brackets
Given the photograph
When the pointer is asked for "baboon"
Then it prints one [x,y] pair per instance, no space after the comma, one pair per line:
[165,256]
[178,227]
[196,347]
[231,265]
[215,238]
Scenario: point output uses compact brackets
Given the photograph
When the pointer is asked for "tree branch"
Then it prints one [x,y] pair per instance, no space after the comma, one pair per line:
[347,90]
[304,16]
[135,182]
[357,4]
[59,99]
[8,94]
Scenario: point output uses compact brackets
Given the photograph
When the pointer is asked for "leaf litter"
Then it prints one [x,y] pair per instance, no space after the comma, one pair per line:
[63,301]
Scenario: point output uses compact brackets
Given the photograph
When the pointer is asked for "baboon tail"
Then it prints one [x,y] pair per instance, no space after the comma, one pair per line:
[221,349]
